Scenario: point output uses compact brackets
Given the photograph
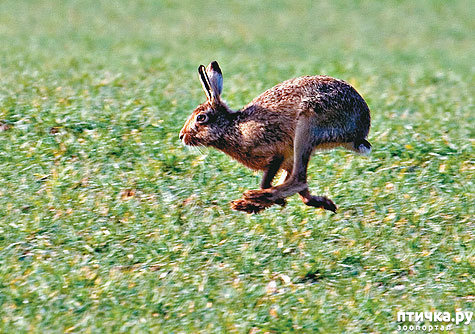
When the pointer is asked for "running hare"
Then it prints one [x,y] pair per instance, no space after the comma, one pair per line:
[280,129]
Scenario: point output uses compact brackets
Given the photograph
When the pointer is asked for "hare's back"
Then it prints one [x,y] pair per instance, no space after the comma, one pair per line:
[328,92]
[337,107]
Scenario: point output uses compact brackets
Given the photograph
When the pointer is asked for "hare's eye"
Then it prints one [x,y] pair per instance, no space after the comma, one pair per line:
[202,118]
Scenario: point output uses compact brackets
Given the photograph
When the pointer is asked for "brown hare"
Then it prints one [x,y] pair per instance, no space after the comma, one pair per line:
[280,129]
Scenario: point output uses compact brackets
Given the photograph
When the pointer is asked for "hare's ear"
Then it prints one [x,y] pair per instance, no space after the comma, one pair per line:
[215,77]
[205,82]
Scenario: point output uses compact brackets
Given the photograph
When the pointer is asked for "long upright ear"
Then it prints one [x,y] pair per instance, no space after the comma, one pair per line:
[205,82]
[215,77]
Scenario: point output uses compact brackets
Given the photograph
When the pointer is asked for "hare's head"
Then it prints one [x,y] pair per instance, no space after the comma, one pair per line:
[209,121]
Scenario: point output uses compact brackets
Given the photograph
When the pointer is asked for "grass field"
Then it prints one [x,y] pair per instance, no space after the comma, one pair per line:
[109,224]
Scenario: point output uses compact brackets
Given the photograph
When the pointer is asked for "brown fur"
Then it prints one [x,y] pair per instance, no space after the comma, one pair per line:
[280,129]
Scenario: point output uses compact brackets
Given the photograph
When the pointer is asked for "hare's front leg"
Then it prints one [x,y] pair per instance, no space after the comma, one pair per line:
[271,172]
[310,200]
[269,175]
[317,201]
[297,181]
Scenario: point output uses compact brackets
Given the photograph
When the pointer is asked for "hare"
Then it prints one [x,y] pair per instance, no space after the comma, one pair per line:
[280,129]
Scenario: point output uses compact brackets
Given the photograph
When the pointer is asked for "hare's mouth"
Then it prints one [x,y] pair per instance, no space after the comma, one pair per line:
[188,140]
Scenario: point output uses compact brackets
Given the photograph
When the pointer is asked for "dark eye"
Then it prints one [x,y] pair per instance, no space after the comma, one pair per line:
[202,118]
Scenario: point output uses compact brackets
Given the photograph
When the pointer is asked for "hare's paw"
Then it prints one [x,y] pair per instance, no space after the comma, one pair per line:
[248,206]
[259,195]
[263,196]
[281,201]
[321,202]
[254,201]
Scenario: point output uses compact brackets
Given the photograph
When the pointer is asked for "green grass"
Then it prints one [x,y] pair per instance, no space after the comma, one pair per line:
[109,224]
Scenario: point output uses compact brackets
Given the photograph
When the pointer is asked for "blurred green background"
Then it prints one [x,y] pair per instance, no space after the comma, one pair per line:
[109,224]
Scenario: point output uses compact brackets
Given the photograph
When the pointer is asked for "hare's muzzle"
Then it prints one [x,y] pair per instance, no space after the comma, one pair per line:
[185,138]
[182,132]
[185,132]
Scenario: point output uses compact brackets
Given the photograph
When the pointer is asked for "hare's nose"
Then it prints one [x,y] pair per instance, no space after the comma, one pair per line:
[181,136]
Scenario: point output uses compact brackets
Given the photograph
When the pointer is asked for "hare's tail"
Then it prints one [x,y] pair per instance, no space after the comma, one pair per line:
[362,146]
